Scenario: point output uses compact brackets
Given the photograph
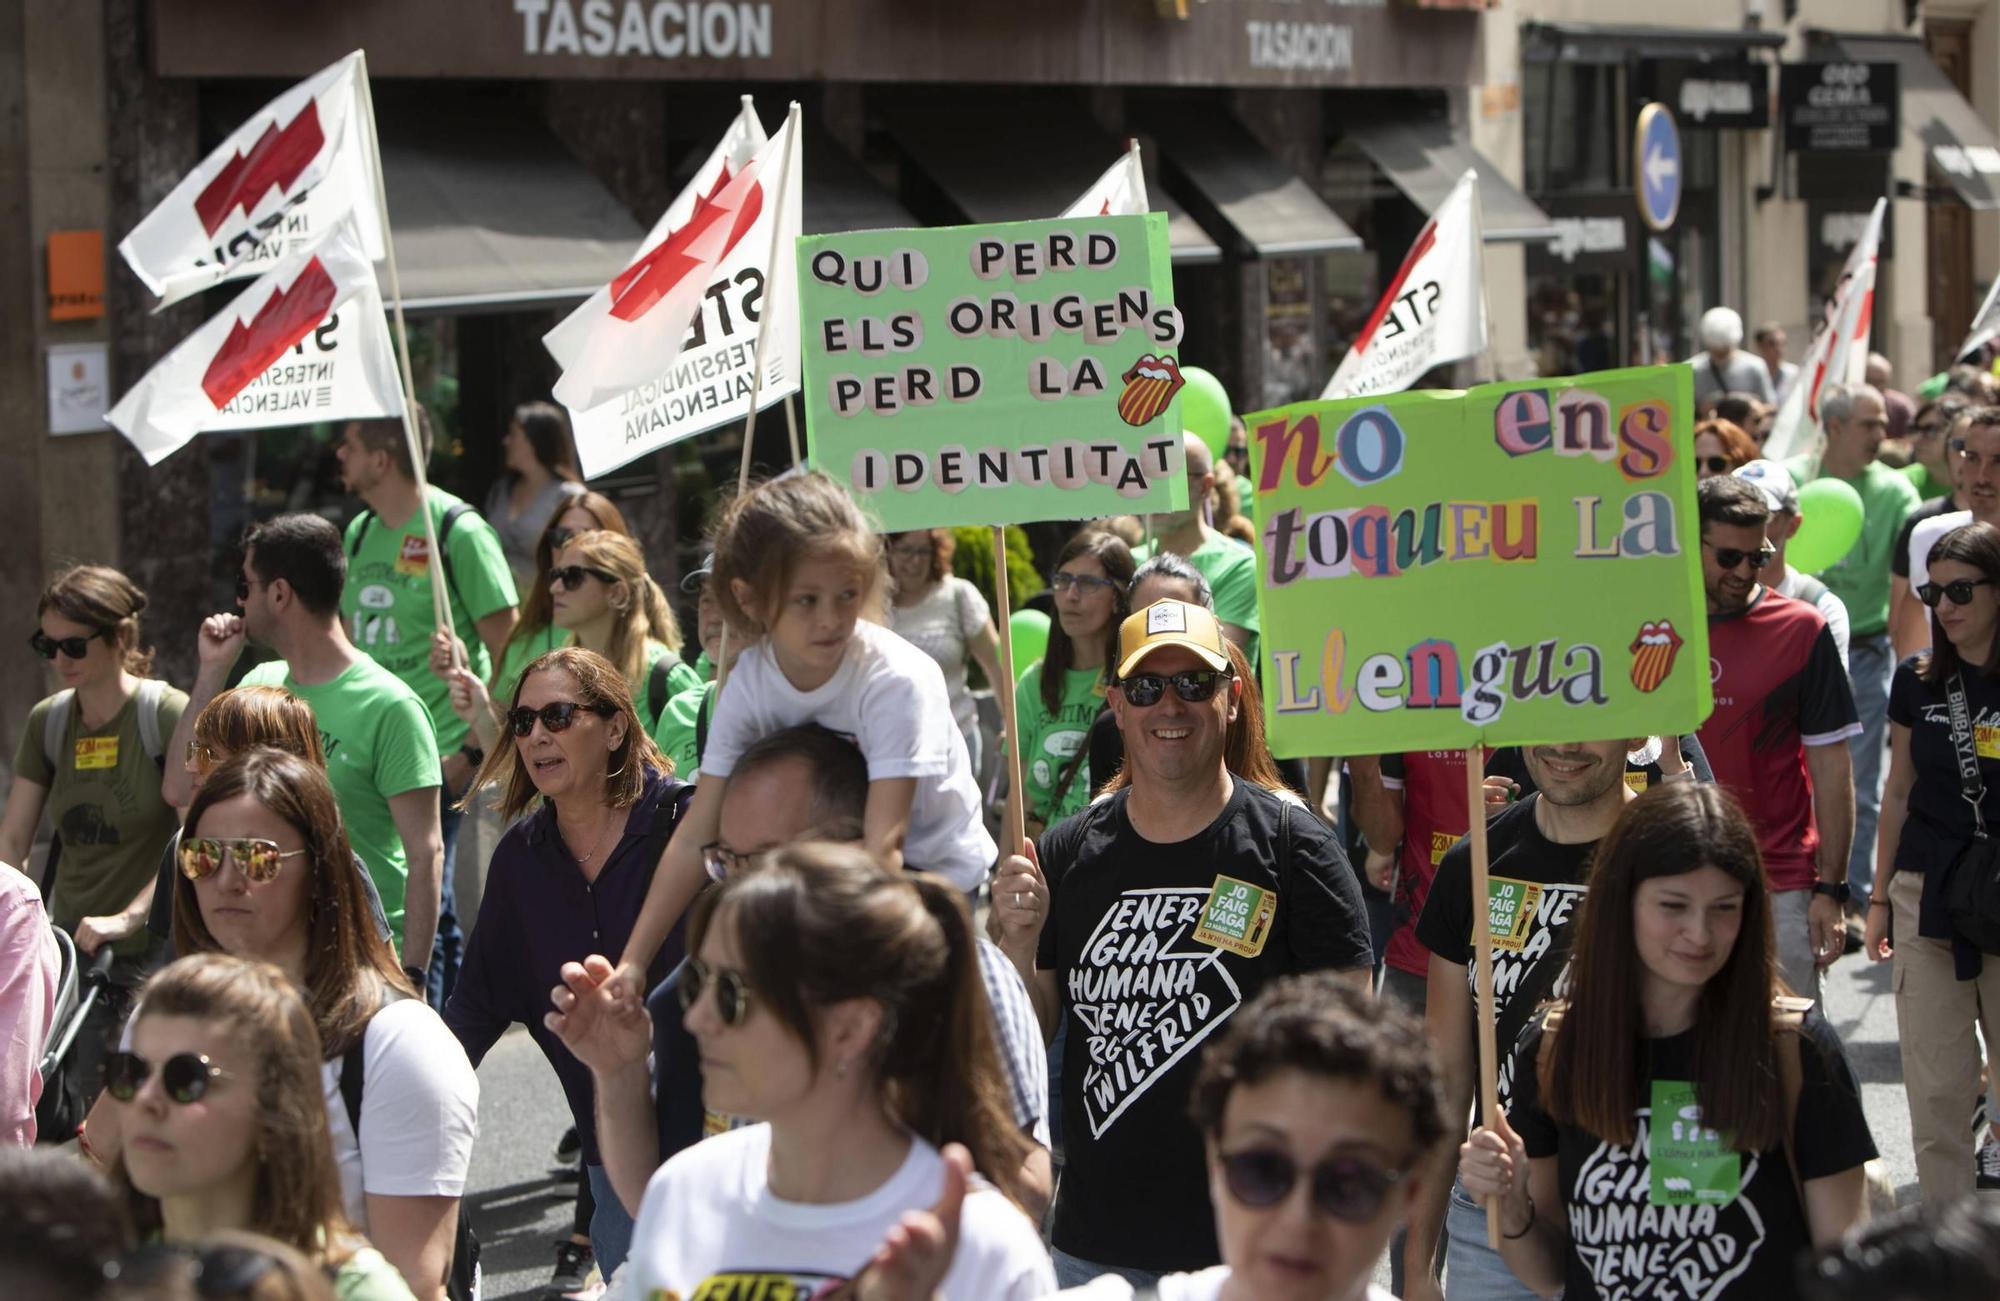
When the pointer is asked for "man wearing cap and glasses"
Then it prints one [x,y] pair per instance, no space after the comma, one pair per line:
[1783,713]
[1146,920]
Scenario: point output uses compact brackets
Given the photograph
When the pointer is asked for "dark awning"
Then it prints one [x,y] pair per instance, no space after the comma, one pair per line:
[840,195]
[1026,163]
[496,215]
[1425,159]
[1958,140]
[1231,183]
[1618,43]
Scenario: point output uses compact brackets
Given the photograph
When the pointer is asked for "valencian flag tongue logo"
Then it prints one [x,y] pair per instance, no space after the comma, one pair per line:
[275,162]
[1653,654]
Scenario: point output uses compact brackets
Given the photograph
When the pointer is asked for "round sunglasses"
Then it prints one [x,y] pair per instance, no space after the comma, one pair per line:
[259,860]
[1959,590]
[570,577]
[73,647]
[732,992]
[1343,1187]
[1143,690]
[184,1077]
[556,716]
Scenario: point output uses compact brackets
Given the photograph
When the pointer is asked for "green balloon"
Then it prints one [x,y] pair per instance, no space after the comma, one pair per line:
[1205,409]
[1829,526]
[1028,634]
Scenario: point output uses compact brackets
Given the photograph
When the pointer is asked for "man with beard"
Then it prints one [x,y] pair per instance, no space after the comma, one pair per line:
[1538,858]
[1783,713]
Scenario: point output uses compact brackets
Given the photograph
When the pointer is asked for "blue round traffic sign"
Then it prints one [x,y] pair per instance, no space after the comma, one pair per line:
[1656,166]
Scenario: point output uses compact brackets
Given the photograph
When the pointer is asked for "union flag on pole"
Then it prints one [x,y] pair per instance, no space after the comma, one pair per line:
[306,342]
[1120,192]
[663,351]
[286,178]
[1838,354]
[1434,310]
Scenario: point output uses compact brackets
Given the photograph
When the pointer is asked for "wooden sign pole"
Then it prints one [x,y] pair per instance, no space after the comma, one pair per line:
[1482,939]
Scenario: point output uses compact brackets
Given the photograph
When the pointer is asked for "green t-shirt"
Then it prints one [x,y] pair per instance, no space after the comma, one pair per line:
[367,1275]
[1861,579]
[378,741]
[387,601]
[519,653]
[1231,571]
[1924,482]
[1050,741]
[676,731]
[104,801]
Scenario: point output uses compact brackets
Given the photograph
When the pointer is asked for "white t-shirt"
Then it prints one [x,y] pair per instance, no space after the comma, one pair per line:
[1205,1285]
[889,698]
[1924,536]
[709,1219]
[419,1111]
[942,626]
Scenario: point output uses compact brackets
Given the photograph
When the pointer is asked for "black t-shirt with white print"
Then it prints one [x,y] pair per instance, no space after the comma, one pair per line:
[1534,888]
[1624,1246]
[1153,947]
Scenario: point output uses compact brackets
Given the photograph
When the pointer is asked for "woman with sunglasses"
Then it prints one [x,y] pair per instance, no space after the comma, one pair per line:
[266,874]
[1721,447]
[602,594]
[1319,1106]
[91,758]
[220,1098]
[1061,694]
[945,617]
[1680,1118]
[840,1004]
[538,481]
[1946,990]
[566,881]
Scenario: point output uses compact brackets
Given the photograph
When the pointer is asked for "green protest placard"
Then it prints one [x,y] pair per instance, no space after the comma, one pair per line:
[1515,564]
[995,374]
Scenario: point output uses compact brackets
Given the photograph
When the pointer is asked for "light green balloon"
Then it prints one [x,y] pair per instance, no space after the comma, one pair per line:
[1205,409]
[1028,634]
[1829,526]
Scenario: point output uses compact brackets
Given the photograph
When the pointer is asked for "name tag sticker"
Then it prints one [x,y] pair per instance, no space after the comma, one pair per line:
[1510,907]
[415,557]
[1237,916]
[1987,739]
[96,752]
[1693,1165]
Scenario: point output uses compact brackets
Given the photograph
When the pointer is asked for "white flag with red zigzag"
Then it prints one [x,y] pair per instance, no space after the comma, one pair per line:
[1838,354]
[285,179]
[1120,192]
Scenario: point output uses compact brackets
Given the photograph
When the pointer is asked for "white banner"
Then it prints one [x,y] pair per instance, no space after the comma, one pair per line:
[1985,325]
[1838,354]
[633,380]
[306,342]
[1120,192]
[1432,313]
[276,187]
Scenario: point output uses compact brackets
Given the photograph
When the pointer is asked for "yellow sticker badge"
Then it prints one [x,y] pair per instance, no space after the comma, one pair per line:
[1510,907]
[1988,740]
[96,752]
[1237,916]
[415,557]
[1441,842]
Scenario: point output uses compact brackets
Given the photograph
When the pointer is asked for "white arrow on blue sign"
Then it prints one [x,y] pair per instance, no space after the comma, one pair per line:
[1656,154]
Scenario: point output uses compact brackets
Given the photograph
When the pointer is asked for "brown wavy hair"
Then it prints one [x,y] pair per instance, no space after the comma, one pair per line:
[297,1200]
[1593,1070]
[245,716]
[819,923]
[645,616]
[102,599]
[1977,545]
[1737,446]
[764,533]
[1110,551]
[943,547]
[537,608]
[349,966]
[598,684]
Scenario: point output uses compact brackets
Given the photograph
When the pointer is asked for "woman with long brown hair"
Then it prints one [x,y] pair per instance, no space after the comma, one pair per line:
[538,481]
[1061,694]
[220,1100]
[1681,1116]
[842,1005]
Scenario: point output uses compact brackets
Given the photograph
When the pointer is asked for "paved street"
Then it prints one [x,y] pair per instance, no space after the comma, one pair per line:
[520,1208]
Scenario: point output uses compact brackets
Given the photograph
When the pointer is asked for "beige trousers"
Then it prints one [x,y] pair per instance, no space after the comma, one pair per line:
[1935,1014]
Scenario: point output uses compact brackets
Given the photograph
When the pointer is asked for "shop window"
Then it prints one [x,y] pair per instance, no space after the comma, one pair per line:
[1569,115]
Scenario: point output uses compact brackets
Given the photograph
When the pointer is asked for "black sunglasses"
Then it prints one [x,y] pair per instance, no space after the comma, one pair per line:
[184,1076]
[1713,464]
[556,716]
[1960,591]
[1192,685]
[1731,557]
[570,577]
[74,647]
[732,992]
[1342,1187]
[215,1270]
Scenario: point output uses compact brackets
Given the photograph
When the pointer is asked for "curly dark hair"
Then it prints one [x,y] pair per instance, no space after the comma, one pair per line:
[1318,1025]
[61,1223]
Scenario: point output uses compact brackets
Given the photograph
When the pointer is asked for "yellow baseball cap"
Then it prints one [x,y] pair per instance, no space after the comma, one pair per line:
[1170,623]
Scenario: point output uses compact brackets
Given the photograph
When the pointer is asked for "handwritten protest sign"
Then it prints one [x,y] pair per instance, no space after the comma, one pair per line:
[1515,564]
[944,366]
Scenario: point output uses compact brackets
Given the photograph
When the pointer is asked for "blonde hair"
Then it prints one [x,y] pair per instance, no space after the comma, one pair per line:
[766,532]
[644,617]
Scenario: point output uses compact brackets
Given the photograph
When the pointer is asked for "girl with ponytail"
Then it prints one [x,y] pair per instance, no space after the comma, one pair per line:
[841,1005]
[599,589]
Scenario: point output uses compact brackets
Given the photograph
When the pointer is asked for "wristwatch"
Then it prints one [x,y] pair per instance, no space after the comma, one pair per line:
[1837,891]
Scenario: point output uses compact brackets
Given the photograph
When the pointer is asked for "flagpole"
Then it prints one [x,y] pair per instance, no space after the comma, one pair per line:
[792,430]
[440,597]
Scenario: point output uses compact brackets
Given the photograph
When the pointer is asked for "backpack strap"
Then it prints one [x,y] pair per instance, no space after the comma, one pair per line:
[151,692]
[701,716]
[353,1066]
[1789,1023]
[362,521]
[55,724]
[656,687]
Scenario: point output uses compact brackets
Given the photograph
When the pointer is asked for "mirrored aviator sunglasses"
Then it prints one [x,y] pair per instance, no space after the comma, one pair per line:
[1192,685]
[1344,1188]
[258,860]
[184,1077]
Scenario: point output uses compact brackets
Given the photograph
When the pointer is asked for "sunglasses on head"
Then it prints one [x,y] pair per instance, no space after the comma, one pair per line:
[1062,580]
[1731,557]
[732,992]
[1713,464]
[258,860]
[1344,1188]
[1960,591]
[559,538]
[184,1077]
[46,646]
[556,716]
[1191,685]
[215,1270]
[570,577]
